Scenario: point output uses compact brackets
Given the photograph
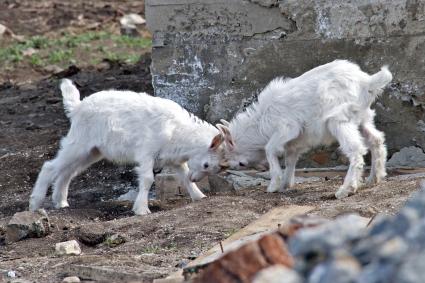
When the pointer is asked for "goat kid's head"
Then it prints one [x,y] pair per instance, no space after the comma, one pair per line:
[238,158]
[209,161]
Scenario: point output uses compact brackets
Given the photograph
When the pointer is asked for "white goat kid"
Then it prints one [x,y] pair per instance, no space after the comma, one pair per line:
[328,103]
[125,126]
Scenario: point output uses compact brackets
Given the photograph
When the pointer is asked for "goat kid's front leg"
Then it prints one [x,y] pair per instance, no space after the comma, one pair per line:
[291,158]
[145,179]
[273,148]
[272,154]
[183,174]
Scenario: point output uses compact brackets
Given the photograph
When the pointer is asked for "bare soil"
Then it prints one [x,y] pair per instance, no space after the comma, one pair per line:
[32,122]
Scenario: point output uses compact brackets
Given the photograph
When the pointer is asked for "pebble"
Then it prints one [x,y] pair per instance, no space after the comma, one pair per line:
[71,279]
[11,274]
[68,248]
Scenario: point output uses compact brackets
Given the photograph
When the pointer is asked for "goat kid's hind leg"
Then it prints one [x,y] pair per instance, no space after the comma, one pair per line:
[75,163]
[274,147]
[351,144]
[44,179]
[145,179]
[183,173]
[376,142]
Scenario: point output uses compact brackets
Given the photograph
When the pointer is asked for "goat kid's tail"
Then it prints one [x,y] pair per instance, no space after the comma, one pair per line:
[71,96]
[379,80]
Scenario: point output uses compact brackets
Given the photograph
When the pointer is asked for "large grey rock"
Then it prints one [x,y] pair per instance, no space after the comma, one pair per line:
[378,272]
[412,270]
[234,181]
[408,156]
[27,224]
[323,239]
[277,274]
[342,269]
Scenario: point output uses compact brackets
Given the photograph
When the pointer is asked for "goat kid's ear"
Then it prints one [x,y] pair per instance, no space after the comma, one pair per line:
[216,142]
[227,136]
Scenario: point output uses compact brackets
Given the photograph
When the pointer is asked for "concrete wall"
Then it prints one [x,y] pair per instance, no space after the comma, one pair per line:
[214,56]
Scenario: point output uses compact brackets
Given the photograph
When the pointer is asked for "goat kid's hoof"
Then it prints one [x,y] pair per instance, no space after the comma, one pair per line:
[274,185]
[272,189]
[281,190]
[196,198]
[142,211]
[345,192]
[373,180]
[35,203]
[33,207]
[61,204]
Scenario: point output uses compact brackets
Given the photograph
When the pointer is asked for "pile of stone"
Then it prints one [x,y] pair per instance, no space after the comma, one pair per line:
[390,249]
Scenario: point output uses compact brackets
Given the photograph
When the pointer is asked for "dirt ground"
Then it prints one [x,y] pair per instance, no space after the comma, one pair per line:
[32,121]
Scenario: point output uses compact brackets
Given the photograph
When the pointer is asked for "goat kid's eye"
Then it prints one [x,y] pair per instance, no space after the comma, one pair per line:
[206,165]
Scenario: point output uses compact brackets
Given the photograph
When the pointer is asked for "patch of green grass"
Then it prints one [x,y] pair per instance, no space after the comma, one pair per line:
[156,249]
[37,42]
[65,49]
[151,249]
[230,232]
[132,41]
[36,60]
[58,56]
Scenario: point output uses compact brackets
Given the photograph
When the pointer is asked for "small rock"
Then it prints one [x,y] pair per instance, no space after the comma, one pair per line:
[71,279]
[68,248]
[27,224]
[3,30]
[28,52]
[277,274]
[92,235]
[247,182]
[132,20]
[53,69]
[114,240]
[129,24]
[11,274]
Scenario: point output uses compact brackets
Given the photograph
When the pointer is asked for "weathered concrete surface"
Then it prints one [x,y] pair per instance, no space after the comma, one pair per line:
[215,56]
